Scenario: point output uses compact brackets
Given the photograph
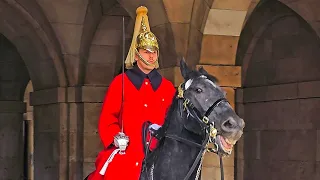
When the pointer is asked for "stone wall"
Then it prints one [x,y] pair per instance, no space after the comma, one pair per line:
[279,99]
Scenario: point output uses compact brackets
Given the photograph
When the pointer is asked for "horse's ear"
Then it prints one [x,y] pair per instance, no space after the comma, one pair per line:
[203,71]
[184,69]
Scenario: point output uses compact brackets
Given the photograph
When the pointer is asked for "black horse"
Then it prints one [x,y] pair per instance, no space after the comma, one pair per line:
[199,115]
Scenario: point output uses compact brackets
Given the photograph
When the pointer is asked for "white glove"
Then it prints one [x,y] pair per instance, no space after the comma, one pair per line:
[121,141]
[154,127]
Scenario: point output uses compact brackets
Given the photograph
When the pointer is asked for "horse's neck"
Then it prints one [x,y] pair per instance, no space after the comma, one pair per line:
[175,158]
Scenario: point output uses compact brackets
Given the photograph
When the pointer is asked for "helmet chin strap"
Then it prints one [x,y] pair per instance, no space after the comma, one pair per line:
[145,61]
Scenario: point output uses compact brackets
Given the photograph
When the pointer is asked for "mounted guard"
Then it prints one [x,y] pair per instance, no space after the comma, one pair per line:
[134,97]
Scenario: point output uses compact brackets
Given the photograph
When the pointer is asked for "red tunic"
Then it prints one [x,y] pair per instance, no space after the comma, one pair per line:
[140,105]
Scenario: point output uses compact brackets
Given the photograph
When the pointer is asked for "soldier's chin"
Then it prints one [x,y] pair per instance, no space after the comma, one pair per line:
[151,65]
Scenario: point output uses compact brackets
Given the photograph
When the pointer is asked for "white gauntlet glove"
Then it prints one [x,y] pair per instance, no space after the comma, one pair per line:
[121,141]
[153,128]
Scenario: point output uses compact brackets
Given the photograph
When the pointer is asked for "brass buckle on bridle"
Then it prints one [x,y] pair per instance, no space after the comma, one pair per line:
[205,119]
[212,139]
[213,132]
[180,91]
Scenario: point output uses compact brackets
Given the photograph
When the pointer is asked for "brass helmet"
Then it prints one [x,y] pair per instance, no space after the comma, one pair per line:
[142,38]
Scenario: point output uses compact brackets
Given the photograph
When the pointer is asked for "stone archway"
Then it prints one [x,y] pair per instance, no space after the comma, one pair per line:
[26,29]
[278,52]
[14,78]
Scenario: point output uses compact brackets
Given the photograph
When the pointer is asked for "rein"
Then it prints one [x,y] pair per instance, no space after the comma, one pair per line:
[199,156]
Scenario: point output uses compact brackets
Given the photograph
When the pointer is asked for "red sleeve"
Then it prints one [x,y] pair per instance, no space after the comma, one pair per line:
[108,125]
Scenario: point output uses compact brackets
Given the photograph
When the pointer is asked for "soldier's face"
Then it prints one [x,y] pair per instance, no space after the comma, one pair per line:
[150,57]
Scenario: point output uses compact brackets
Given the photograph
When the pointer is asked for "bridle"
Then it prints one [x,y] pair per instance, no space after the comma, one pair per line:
[206,125]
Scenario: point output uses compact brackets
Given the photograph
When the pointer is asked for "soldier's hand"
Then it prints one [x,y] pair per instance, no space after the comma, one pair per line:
[121,141]
[153,128]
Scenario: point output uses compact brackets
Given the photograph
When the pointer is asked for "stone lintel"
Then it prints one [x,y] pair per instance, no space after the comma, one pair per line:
[12,107]
[290,91]
[48,96]
[87,94]
[228,76]
[69,94]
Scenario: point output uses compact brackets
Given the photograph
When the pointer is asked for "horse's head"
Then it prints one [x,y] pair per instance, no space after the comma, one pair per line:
[209,104]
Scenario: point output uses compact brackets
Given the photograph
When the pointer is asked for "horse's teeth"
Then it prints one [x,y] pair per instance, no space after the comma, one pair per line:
[227,141]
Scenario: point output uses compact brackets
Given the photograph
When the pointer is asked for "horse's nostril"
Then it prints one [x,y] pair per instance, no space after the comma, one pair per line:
[229,124]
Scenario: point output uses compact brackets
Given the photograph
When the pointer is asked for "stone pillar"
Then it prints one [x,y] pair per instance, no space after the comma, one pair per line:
[28,116]
[65,129]
[85,107]
[218,52]
[50,134]
[11,143]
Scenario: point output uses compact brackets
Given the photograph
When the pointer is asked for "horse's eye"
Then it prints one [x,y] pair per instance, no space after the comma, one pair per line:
[198,90]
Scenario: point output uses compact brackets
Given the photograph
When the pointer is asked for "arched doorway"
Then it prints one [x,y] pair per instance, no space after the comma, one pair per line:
[278,52]
[13,81]
[28,53]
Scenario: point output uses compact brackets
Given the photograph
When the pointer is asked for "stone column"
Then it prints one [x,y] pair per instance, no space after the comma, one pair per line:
[50,134]
[65,130]
[218,52]
[28,116]
[11,143]
[85,107]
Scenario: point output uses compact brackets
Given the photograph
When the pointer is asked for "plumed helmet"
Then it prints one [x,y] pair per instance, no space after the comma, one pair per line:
[142,38]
